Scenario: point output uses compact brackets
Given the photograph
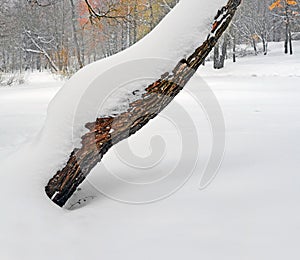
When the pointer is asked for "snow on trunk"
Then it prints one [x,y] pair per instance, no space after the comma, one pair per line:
[179,33]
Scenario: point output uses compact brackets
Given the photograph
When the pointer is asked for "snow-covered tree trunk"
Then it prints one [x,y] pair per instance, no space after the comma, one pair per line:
[105,132]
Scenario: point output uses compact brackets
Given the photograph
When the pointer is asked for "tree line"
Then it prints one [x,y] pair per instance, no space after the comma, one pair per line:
[260,22]
[65,35]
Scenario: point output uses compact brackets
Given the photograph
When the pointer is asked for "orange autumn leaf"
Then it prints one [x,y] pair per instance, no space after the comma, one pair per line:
[276,4]
[291,2]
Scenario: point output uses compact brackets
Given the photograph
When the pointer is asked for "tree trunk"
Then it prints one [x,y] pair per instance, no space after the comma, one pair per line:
[286,38]
[219,59]
[158,95]
[265,45]
[216,56]
[288,35]
[234,49]
[77,48]
[151,15]
[254,46]
[290,42]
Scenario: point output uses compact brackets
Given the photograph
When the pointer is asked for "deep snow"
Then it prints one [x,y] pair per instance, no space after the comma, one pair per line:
[250,211]
[23,109]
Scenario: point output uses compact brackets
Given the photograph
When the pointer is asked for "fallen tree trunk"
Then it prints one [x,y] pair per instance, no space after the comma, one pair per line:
[105,132]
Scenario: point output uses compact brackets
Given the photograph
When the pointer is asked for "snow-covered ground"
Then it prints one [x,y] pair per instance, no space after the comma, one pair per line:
[23,109]
[250,211]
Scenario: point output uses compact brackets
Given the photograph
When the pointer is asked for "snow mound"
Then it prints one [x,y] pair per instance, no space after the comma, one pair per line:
[180,32]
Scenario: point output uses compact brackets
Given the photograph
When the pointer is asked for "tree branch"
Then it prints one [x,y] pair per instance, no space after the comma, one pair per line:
[40,50]
[41,3]
[104,14]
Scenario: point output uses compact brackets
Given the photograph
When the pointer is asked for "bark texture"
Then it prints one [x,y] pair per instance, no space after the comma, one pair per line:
[105,132]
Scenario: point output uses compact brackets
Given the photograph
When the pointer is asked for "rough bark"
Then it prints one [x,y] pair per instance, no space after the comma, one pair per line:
[158,95]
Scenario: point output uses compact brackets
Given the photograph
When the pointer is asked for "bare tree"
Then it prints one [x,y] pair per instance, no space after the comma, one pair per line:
[39,49]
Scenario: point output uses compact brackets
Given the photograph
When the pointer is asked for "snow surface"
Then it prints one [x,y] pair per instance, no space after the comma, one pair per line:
[29,100]
[250,211]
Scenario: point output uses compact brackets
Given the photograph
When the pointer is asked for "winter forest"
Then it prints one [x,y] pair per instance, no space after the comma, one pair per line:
[65,35]
[149,129]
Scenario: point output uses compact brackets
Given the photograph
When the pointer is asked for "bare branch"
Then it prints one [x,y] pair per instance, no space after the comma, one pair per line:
[42,3]
[40,50]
